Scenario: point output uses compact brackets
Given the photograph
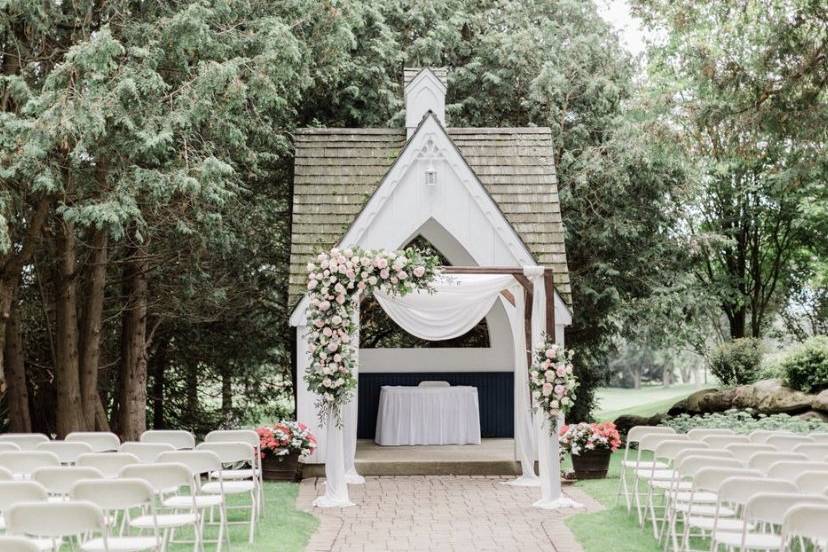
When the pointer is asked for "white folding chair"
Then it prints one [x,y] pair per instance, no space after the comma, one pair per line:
[766,510]
[108,463]
[633,437]
[147,453]
[700,433]
[241,436]
[759,436]
[100,441]
[646,469]
[812,482]
[232,454]
[785,443]
[26,441]
[120,498]
[790,470]
[12,492]
[6,475]
[764,460]
[178,438]
[54,521]
[201,462]
[819,437]
[18,544]
[59,480]
[806,521]
[67,452]
[433,383]
[24,462]
[814,451]
[8,446]
[167,480]
[722,441]
[743,451]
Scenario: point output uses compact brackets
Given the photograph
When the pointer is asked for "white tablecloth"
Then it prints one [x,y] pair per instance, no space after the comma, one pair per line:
[428,416]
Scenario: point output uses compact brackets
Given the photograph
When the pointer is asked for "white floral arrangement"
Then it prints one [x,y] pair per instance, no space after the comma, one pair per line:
[552,381]
[336,282]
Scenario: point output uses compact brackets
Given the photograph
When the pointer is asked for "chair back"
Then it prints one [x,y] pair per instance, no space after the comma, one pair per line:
[813,482]
[821,437]
[17,544]
[26,441]
[814,451]
[743,451]
[669,448]
[197,461]
[807,521]
[60,480]
[722,441]
[100,441]
[702,432]
[764,460]
[637,432]
[120,494]
[233,436]
[6,475]
[108,463]
[12,492]
[24,462]
[8,446]
[688,466]
[701,451]
[772,507]
[791,469]
[147,453]
[178,438]
[738,490]
[65,519]
[650,441]
[230,453]
[161,477]
[785,443]
[711,479]
[67,452]
[433,383]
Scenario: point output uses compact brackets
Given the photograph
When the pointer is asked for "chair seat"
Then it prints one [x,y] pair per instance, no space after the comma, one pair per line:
[670,485]
[201,501]
[120,544]
[755,541]
[697,498]
[164,520]
[724,524]
[230,487]
[47,545]
[643,465]
[704,509]
[235,474]
[658,475]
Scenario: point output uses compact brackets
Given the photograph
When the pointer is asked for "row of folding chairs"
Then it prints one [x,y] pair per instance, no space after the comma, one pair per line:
[47,500]
[685,481]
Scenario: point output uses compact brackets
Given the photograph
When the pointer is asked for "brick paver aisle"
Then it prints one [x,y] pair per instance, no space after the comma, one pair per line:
[437,513]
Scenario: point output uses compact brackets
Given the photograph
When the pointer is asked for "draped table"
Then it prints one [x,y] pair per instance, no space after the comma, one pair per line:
[428,416]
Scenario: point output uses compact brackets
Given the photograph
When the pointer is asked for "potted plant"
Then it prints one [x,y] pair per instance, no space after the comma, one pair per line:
[281,446]
[590,447]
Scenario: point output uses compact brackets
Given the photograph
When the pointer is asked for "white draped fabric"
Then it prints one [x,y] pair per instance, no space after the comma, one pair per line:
[460,301]
[349,419]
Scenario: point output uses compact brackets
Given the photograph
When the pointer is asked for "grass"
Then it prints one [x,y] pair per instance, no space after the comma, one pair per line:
[613,528]
[647,401]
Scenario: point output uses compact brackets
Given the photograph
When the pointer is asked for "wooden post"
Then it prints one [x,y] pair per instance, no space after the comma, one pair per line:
[549,284]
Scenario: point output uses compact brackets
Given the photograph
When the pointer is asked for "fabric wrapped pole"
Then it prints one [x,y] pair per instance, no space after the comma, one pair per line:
[336,489]
[525,433]
[349,415]
[549,459]
[460,301]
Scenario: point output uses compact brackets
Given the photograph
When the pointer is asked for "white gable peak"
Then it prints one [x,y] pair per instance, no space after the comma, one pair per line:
[424,92]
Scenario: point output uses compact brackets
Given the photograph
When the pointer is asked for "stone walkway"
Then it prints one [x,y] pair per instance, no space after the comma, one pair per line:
[440,513]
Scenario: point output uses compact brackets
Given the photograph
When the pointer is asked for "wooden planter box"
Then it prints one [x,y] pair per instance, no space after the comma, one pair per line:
[591,464]
[280,468]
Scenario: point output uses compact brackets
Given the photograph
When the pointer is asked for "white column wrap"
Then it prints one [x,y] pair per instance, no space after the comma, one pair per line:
[349,414]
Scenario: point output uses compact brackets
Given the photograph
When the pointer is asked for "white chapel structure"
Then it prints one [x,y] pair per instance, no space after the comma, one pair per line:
[482,197]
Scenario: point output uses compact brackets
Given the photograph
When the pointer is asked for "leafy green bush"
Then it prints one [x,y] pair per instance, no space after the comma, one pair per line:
[806,368]
[743,421]
[737,362]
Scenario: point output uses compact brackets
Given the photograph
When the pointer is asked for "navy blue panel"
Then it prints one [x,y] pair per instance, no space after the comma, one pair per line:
[494,390]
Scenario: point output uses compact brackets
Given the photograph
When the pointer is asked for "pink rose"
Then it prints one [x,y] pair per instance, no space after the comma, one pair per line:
[384,274]
[312,284]
[318,323]
[333,346]
[340,299]
[561,371]
[327,332]
[560,390]
[324,305]
[547,389]
[402,275]
[419,271]
[550,375]
[382,263]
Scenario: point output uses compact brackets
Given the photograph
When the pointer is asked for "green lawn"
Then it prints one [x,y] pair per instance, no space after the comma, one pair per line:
[647,401]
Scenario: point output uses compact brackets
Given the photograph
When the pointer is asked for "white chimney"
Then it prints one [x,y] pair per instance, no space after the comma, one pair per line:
[425,90]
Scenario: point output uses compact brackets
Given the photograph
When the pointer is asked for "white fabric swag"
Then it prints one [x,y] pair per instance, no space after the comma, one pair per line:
[458,304]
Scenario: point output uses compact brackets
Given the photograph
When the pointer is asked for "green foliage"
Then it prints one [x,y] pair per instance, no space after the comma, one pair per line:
[744,421]
[806,368]
[737,362]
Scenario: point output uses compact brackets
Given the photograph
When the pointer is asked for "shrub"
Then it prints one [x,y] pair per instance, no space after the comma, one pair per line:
[806,368]
[737,362]
[744,421]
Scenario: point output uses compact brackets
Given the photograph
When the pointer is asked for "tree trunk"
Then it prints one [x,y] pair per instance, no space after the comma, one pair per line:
[159,367]
[17,392]
[91,333]
[226,396]
[69,406]
[133,395]
[191,416]
[738,322]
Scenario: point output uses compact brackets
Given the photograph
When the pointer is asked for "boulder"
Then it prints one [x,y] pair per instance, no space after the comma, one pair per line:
[820,402]
[705,400]
[814,415]
[771,397]
[624,423]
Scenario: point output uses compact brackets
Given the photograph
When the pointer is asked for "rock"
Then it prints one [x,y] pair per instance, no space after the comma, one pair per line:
[705,400]
[820,402]
[814,415]
[624,423]
[771,397]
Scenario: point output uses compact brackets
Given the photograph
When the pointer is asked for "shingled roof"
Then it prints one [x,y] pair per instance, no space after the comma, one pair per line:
[337,170]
